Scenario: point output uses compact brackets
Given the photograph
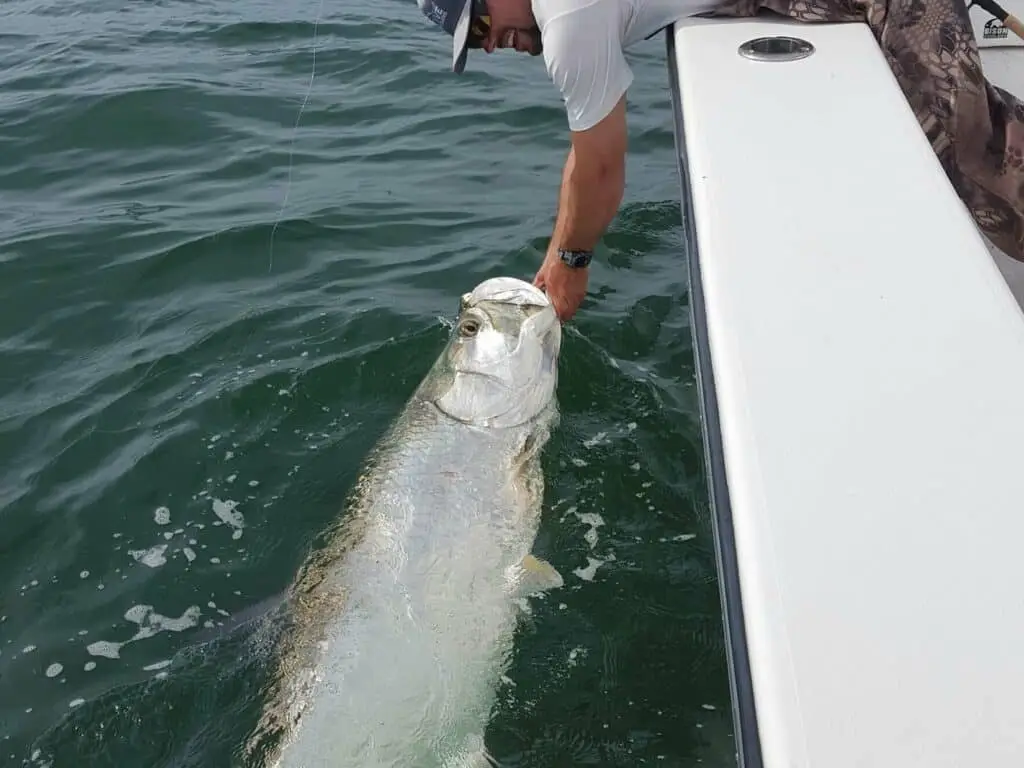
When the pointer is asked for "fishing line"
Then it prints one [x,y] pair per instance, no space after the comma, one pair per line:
[291,146]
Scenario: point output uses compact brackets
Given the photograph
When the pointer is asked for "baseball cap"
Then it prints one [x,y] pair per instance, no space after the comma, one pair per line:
[453,16]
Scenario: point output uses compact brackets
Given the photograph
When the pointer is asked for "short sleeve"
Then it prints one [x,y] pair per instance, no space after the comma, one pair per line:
[584,58]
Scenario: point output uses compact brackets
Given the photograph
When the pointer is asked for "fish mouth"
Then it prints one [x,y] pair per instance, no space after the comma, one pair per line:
[506,290]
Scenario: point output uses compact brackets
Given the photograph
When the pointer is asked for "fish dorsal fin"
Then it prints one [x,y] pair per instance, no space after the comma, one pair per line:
[535,576]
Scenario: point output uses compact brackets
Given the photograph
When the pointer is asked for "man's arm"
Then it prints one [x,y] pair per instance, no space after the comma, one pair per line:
[592,183]
[592,186]
[584,58]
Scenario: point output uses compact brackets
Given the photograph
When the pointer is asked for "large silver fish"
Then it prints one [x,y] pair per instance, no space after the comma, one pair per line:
[403,622]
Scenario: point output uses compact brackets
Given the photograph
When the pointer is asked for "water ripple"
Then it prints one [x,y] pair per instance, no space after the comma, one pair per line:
[218,285]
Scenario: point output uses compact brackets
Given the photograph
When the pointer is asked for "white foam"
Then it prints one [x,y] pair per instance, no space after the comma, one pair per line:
[190,554]
[592,519]
[137,613]
[153,557]
[684,537]
[157,665]
[227,512]
[150,623]
[76,703]
[162,516]
[587,574]
[90,666]
[104,648]
[53,670]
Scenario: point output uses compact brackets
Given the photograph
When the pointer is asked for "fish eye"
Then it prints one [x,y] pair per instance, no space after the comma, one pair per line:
[469,327]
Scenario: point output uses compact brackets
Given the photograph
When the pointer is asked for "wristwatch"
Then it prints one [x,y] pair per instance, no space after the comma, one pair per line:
[575,259]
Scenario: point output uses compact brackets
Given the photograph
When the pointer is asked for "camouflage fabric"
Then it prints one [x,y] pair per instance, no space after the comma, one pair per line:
[975,128]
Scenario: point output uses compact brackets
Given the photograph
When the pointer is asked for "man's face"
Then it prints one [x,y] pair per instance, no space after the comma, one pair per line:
[504,24]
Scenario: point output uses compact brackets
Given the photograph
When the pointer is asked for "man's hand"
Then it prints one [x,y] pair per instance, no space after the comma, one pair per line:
[565,286]
[592,185]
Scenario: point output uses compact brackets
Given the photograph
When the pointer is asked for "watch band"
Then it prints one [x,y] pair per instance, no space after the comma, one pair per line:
[575,259]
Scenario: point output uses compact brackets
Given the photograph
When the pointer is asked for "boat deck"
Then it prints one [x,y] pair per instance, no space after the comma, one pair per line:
[861,364]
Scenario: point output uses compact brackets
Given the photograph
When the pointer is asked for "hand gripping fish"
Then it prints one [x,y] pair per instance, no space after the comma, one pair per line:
[402,623]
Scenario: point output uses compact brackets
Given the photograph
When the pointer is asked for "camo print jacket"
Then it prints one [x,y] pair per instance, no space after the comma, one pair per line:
[975,128]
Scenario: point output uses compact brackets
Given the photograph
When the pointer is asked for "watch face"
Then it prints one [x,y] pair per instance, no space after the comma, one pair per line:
[576,258]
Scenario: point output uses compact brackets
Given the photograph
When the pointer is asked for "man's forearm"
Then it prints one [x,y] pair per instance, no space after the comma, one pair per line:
[588,202]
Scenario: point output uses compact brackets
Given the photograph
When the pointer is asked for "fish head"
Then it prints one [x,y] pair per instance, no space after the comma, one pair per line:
[502,358]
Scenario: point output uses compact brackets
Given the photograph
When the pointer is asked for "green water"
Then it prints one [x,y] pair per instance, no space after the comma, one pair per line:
[208,316]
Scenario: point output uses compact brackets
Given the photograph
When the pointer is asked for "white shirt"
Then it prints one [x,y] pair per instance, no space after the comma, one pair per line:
[584,42]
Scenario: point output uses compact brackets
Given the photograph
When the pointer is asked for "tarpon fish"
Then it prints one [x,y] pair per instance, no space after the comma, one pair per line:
[402,623]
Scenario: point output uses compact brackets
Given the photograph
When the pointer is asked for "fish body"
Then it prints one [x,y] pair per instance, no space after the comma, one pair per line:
[403,622]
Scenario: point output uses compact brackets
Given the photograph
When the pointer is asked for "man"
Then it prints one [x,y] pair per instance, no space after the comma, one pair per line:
[582,42]
[975,128]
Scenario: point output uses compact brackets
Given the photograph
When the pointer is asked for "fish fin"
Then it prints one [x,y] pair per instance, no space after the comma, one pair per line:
[535,576]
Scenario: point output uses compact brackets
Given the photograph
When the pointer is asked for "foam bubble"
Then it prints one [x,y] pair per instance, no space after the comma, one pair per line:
[162,516]
[150,623]
[104,648]
[587,574]
[53,670]
[153,557]
[137,613]
[227,512]
[592,519]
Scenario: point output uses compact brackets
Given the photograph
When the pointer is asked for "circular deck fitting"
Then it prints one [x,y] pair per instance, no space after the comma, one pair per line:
[776,48]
